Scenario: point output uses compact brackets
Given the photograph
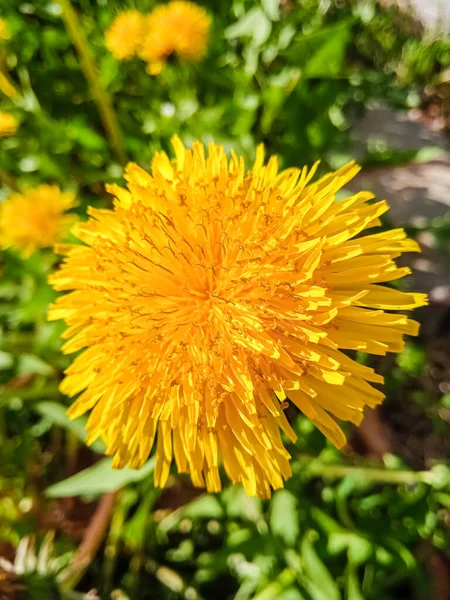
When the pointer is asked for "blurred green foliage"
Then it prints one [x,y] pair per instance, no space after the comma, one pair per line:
[291,74]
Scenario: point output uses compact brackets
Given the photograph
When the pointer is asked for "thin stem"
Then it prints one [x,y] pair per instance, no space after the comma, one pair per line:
[317,469]
[100,95]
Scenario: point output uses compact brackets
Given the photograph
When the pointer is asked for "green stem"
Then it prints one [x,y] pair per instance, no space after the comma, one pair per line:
[317,469]
[100,95]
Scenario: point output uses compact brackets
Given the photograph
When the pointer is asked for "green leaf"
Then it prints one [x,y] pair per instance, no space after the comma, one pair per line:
[322,53]
[240,506]
[353,587]
[321,584]
[358,548]
[85,135]
[275,589]
[254,25]
[30,364]
[58,415]
[271,8]
[109,69]
[440,477]
[284,517]
[291,594]
[99,479]
[6,360]
[325,522]
[134,529]
[204,507]
[412,359]
[329,60]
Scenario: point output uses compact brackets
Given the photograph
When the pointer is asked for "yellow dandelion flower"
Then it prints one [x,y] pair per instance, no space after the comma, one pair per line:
[4,31]
[124,37]
[209,296]
[36,218]
[8,124]
[178,27]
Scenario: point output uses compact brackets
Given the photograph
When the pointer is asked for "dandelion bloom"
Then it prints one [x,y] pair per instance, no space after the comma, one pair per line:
[178,27]
[4,31]
[8,124]
[124,37]
[35,218]
[208,296]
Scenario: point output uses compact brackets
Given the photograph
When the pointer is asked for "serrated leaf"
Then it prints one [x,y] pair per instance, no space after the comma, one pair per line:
[99,479]
[58,415]
[284,517]
[321,585]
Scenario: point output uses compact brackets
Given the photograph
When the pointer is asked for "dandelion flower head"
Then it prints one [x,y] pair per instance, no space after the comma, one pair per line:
[8,124]
[210,295]
[178,27]
[125,35]
[35,218]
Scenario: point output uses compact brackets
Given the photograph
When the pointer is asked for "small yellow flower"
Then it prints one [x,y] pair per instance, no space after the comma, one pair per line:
[8,124]
[178,27]
[210,295]
[4,31]
[36,218]
[124,37]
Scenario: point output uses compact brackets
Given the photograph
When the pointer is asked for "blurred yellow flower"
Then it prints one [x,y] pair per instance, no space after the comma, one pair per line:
[124,37]
[210,295]
[35,218]
[4,31]
[8,124]
[178,27]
